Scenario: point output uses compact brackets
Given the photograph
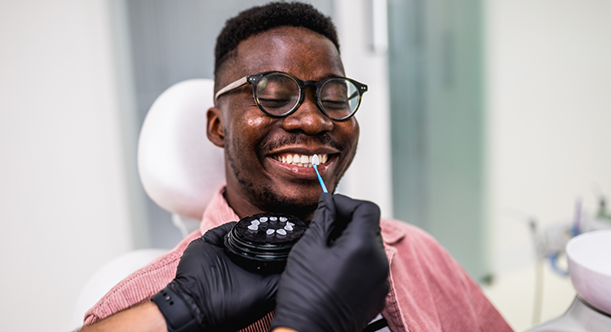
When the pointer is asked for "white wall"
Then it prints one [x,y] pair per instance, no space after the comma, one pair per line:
[369,176]
[63,210]
[549,128]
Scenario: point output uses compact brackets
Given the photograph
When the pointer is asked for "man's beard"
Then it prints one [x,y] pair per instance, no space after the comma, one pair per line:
[263,196]
[267,200]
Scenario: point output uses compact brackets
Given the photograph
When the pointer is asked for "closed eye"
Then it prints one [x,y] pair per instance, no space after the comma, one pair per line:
[274,103]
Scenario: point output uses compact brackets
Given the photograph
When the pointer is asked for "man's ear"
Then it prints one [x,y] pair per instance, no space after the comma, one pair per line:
[214,127]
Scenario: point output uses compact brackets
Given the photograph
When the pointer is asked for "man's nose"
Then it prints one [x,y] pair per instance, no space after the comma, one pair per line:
[308,118]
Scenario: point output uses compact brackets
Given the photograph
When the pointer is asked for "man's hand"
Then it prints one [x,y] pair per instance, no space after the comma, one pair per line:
[219,294]
[335,284]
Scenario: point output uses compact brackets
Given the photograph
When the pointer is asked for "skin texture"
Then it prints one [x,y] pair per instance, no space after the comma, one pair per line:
[255,182]
[143,318]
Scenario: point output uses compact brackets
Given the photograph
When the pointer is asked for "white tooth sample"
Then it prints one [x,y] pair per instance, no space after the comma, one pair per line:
[296,158]
[290,224]
[263,219]
[283,219]
[324,158]
[304,159]
[289,159]
[315,160]
[288,228]
[273,218]
[253,227]
[255,222]
[281,231]
[270,231]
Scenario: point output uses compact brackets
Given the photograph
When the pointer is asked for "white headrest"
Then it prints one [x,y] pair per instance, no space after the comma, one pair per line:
[179,167]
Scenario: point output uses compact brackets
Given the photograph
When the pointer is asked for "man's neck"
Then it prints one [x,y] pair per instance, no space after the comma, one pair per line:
[242,207]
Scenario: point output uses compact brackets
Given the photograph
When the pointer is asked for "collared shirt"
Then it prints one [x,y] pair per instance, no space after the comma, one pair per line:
[429,290]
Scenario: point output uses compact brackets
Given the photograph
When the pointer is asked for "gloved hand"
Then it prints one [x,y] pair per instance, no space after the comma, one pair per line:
[220,295]
[336,285]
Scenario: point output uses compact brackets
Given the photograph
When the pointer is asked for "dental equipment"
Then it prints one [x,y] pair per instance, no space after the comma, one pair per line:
[590,271]
[316,161]
[261,243]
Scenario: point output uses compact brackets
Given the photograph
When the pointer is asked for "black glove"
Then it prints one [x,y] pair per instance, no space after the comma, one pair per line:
[336,285]
[218,294]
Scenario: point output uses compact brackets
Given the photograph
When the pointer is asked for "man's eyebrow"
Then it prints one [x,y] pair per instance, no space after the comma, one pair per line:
[324,77]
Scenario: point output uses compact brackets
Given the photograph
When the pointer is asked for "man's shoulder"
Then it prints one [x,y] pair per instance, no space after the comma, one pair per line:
[411,243]
[397,231]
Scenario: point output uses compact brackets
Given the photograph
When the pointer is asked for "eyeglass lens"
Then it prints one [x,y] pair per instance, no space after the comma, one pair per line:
[278,94]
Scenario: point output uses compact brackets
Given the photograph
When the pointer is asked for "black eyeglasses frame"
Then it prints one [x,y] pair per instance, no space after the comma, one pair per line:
[253,80]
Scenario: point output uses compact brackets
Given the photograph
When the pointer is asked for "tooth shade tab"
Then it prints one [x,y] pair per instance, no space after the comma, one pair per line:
[301,160]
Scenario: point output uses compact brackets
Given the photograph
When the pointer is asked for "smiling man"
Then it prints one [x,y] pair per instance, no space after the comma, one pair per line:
[281,97]
[269,139]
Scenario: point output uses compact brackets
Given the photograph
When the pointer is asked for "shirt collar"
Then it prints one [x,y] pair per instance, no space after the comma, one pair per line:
[217,212]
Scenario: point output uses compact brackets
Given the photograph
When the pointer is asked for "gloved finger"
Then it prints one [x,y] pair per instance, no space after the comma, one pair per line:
[365,212]
[345,205]
[216,235]
[321,225]
[271,285]
[364,219]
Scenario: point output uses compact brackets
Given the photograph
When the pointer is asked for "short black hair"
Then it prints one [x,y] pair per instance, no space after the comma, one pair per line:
[263,18]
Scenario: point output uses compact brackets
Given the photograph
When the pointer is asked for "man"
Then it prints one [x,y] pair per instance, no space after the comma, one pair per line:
[280,98]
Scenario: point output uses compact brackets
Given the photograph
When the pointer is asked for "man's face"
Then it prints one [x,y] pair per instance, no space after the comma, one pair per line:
[257,146]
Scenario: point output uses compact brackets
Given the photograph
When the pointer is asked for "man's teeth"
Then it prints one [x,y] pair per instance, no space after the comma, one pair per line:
[300,159]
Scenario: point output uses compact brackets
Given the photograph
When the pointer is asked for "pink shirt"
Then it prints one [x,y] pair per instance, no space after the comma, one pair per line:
[429,290]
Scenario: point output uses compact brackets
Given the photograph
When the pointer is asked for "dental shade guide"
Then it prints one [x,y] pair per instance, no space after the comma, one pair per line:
[262,242]
[316,161]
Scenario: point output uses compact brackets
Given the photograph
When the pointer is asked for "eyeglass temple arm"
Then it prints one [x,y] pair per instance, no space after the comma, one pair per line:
[355,94]
[236,84]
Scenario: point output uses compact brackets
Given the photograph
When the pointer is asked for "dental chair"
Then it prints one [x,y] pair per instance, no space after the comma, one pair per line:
[180,170]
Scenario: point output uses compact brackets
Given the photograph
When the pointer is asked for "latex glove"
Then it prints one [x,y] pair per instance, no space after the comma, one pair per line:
[220,295]
[332,284]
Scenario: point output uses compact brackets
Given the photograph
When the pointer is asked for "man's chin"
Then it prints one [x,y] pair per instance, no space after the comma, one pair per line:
[301,207]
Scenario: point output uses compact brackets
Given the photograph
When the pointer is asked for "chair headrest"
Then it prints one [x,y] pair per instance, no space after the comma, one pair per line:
[179,167]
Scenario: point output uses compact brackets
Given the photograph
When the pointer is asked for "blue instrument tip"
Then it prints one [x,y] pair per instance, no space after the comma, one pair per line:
[322,183]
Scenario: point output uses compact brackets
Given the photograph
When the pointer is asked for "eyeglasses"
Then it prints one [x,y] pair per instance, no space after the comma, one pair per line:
[279,94]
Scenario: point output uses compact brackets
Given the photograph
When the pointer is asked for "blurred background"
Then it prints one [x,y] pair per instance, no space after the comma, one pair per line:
[482,119]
